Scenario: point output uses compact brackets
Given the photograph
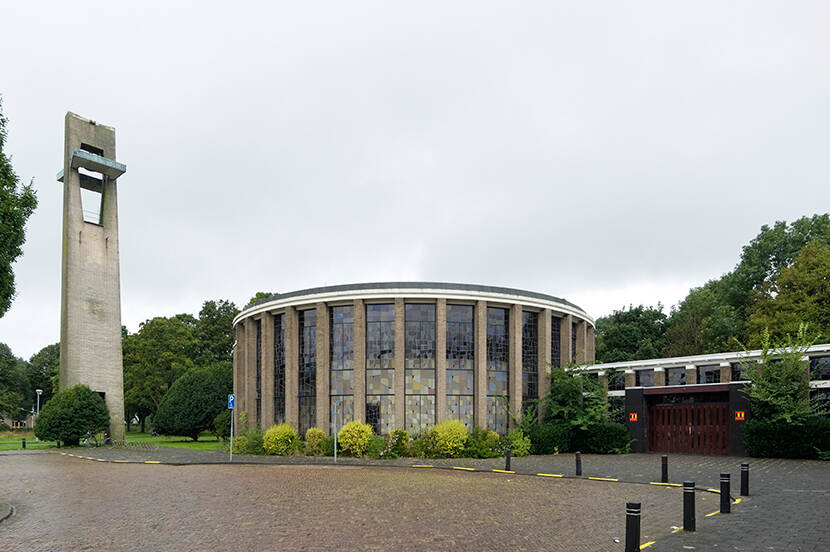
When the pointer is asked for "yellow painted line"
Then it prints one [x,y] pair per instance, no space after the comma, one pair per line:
[737,501]
[100,459]
[152,462]
[70,454]
[550,475]
[646,545]
[677,530]
[714,490]
[665,484]
[504,471]
[89,457]
[63,454]
[465,469]
[422,466]
[712,514]
[120,461]
[603,479]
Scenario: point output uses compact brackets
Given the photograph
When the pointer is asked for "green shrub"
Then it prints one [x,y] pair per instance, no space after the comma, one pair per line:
[445,440]
[222,425]
[518,443]
[328,446]
[550,438]
[417,448]
[250,441]
[353,438]
[194,400]
[314,438]
[4,426]
[482,443]
[398,444]
[603,438]
[70,414]
[281,440]
[376,447]
[781,439]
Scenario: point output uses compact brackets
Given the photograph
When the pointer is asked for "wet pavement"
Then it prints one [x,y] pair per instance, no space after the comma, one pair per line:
[67,503]
[182,498]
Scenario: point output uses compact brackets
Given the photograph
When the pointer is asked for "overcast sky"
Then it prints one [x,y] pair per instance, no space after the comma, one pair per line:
[604,153]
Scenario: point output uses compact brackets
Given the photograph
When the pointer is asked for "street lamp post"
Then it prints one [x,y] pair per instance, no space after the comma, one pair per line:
[39,393]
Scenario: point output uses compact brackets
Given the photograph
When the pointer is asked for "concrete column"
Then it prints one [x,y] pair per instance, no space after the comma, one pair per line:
[267,370]
[566,353]
[292,368]
[691,374]
[515,375]
[250,375]
[400,372]
[659,377]
[630,378]
[238,370]
[581,353]
[480,399]
[725,372]
[359,361]
[323,367]
[591,345]
[440,360]
[603,380]
[544,356]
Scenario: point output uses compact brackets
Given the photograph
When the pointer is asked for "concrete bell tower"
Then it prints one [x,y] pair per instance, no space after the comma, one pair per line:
[90,279]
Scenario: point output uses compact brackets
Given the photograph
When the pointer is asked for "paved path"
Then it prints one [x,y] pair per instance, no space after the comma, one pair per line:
[65,503]
[787,509]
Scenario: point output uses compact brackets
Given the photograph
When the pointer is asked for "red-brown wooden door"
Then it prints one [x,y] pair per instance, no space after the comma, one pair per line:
[694,428]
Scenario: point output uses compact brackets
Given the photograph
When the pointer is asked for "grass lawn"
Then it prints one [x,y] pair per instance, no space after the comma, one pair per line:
[13,440]
[207,441]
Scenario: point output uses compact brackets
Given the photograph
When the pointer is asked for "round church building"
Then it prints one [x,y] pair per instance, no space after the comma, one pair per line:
[401,354]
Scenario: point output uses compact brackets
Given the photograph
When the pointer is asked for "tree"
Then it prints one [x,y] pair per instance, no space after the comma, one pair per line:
[574,398]
[42,370]
[71,414]
[154,357]
[634,334]
[712,316]
[14,387]
[702,323]
[259,296]
[779,385]
[797,294]
[214,332]
[194,401]
[15,208]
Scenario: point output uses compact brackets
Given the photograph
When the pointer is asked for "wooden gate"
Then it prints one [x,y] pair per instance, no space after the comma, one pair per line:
[696,428]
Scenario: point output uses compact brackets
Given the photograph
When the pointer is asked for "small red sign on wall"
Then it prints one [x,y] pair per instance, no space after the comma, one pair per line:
[740,415]
[632,416]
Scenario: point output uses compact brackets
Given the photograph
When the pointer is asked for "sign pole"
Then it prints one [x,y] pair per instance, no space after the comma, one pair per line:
[231,405]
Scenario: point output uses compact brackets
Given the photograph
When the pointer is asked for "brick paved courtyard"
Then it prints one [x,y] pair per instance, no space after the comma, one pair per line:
[298,503]
[63,503]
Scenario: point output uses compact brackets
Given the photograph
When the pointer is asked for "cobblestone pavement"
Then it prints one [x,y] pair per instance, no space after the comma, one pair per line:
[66,503]
[787,508]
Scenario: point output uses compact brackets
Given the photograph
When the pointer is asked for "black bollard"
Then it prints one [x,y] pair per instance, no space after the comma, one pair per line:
[58,443]
[507,459]
[23,442]
[664,475]
[578,463]
[632,527]
[744,479]
[725,499]
[689,506]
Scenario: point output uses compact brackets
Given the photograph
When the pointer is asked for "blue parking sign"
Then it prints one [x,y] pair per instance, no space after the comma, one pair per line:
[231,401]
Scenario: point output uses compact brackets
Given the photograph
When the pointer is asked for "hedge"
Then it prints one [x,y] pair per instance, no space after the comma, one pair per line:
[765,439]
